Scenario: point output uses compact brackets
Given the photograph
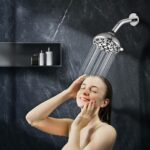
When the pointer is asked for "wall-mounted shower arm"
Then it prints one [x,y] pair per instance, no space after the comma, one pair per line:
[119,24]
[133,20]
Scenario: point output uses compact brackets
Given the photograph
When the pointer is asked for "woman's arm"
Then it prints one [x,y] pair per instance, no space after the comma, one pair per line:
[74,140]
[43,110]
[38,116]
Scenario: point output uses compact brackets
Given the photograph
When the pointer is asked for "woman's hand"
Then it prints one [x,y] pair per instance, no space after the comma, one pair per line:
[84,117]
[75,86]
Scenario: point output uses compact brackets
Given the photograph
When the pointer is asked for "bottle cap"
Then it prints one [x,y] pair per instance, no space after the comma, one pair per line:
[48,48]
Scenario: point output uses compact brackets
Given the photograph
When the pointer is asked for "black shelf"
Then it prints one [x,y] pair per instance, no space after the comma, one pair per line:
[19,54]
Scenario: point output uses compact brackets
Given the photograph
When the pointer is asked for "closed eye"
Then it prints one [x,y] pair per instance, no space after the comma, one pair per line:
[94,91]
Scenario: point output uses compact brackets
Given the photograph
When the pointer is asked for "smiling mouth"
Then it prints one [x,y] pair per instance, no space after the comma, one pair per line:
[84,99]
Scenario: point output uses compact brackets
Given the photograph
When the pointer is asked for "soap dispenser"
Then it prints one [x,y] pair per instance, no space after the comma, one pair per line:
[41,58]
[49,57]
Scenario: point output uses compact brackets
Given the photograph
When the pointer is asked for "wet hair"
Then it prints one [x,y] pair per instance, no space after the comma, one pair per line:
[105,113]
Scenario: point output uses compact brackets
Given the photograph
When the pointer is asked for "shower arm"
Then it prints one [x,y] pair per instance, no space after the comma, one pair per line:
[133,20]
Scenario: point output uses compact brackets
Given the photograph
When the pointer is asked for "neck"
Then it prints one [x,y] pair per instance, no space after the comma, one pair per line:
[95,120]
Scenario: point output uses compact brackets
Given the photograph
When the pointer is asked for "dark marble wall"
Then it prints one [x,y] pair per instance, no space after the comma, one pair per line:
[74,23]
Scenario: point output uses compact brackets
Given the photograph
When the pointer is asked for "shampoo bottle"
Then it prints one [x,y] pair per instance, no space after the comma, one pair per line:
[41,58]
[49,57]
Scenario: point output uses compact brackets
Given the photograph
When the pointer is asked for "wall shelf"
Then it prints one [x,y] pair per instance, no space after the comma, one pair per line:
[19,54]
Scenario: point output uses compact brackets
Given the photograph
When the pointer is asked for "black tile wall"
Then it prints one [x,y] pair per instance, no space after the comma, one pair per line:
[74,23]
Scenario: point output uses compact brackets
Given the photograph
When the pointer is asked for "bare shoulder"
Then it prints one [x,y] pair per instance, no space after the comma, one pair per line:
[107,129]
[104,137]
[106,133]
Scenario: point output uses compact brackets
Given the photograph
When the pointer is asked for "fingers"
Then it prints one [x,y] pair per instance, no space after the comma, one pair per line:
[89,109]
[84,109]
[93,106]
[79,80]
[82,78]
[75,86]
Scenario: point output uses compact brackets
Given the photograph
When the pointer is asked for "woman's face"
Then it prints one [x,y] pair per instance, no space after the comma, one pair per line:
[92,89]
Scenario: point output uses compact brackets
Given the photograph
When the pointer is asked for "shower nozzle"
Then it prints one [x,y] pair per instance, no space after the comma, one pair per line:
[108,42]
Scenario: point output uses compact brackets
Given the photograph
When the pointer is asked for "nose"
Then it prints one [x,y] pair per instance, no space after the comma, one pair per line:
[86,92]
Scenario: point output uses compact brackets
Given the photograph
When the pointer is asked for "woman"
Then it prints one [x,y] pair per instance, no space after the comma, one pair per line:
[91,129]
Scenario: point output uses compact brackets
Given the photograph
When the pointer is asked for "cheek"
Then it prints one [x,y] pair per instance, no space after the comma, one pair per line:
[97,99]
[94,97]
[78,94]
[79,102]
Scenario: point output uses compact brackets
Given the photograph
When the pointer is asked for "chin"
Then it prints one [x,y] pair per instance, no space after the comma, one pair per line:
[80,103]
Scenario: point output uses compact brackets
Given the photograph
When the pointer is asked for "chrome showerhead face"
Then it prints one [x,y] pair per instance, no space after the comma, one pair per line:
[107,42]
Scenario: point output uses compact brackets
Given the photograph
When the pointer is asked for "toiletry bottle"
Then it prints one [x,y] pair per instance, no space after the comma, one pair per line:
[49,57]
[34,60]
[41,58]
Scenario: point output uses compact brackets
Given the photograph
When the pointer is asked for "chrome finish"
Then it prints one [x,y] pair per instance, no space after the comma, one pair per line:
[133,20]
[108,42]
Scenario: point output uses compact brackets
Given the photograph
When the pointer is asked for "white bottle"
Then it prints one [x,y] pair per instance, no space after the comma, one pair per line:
[49,57]
[41,58]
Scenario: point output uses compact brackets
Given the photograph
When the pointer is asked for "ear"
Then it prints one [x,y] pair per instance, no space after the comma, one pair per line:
[105,102]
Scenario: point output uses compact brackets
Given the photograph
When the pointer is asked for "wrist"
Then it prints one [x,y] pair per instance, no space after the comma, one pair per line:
[76,128]
[68,93]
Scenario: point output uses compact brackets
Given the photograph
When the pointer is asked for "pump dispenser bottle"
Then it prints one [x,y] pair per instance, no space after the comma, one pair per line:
[41,58]
[49,57]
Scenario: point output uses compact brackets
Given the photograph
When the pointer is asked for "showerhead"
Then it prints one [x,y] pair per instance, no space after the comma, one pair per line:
[108,42]
[104,49]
